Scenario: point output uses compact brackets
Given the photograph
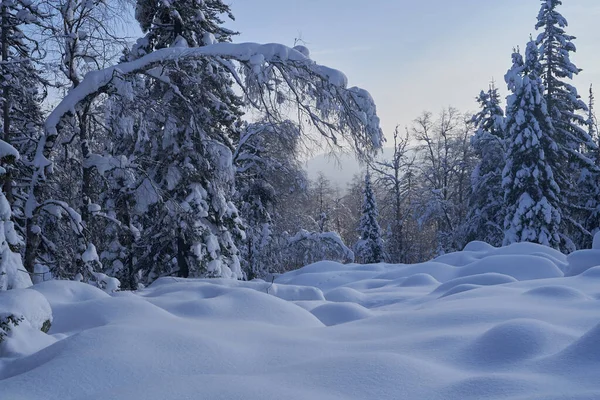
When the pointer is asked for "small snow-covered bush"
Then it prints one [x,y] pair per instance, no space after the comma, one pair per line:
[7,322]
[25,318]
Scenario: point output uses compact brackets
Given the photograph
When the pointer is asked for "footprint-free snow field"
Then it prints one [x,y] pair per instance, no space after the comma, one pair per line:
[521,322]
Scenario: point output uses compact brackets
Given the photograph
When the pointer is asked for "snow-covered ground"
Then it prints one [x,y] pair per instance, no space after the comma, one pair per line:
[485,323]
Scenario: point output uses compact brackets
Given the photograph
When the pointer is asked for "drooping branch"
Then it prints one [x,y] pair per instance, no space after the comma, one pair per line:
[319,91]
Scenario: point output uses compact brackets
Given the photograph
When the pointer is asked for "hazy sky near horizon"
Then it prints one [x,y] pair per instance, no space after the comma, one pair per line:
[417,55]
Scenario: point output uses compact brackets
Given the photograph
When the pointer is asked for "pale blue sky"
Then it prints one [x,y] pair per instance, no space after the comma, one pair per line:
[414,55]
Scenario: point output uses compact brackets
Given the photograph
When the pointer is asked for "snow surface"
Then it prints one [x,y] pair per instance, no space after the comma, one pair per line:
[485,323]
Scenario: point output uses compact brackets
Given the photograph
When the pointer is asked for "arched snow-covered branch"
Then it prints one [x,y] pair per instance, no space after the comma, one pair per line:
[320,92]
[339,113]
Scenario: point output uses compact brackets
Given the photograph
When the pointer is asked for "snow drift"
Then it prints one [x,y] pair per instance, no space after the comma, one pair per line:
[485,323]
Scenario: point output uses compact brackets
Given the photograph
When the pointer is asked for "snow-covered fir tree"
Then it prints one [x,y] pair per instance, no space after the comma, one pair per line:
[370,248]
[186,148]
[485,220]
[567,113]
[531,191]
[12,273]
[22,88]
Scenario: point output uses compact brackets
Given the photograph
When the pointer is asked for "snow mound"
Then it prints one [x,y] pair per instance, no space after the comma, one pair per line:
[28,304]
[340,313]
[367,284]
[557,292]
[199,299]
[510,342]
[344,294]
[477,246]
[485,279]
[581,261]
[69,291]
[295,293]
[439,271]
[419,280]
[464,287]
[525,248]
[33,313]
[586,350]
[458,259]
[520,267]
[592,273]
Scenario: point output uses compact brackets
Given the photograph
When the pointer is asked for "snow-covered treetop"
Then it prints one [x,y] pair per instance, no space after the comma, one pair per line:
[490,120]
[548,16]
[513,76]
[518,74]
[197,22]
[554,41]
[521,76]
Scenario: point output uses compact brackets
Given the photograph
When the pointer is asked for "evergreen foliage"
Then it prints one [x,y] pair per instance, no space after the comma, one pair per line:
[567,111]
[531,192]
[369,249]
[485,220]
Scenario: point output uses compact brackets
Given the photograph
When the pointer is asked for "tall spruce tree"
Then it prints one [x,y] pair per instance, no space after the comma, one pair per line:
[369,249]
[531,191]
[567,113]
[186,147]
[485,220]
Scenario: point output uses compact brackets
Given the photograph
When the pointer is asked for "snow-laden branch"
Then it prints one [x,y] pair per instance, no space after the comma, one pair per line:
[334,107]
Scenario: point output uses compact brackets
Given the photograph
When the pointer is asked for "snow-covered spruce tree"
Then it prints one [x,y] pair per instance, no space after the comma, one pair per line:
[186,148]
[566,110]
[127,191]
[12,273]
[485,220]
[533,160]
[369,249]
[22,94]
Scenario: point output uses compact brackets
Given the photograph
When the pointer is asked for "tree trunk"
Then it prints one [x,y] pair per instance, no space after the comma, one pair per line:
[182,250]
